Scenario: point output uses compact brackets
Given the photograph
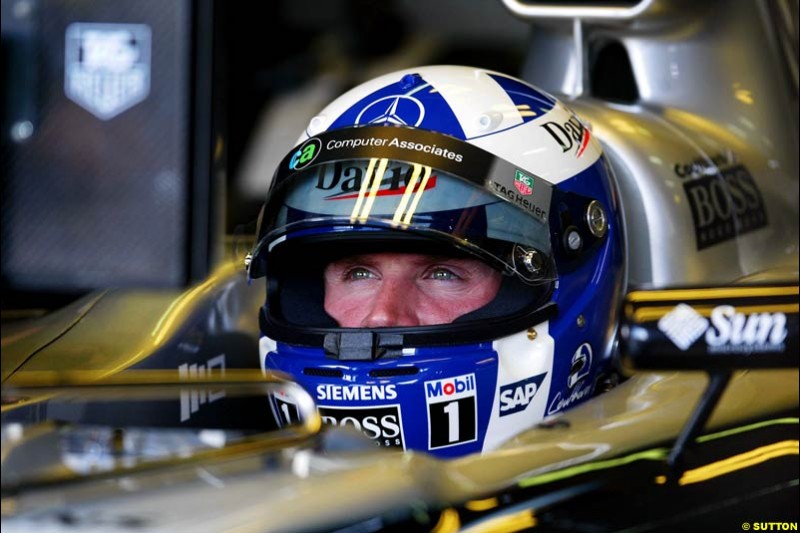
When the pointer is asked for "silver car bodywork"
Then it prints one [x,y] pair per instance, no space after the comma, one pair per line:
[715,91]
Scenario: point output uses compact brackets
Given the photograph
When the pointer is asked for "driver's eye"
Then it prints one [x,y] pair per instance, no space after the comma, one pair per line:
[442,274]
[358,273]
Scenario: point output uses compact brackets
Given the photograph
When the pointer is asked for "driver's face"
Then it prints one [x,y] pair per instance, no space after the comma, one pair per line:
[392,289]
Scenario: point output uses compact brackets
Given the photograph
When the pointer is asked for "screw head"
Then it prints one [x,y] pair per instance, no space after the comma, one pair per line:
[574,240]
[532,334]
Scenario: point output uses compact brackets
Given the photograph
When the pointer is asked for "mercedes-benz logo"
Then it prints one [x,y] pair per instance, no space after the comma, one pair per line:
[399,110]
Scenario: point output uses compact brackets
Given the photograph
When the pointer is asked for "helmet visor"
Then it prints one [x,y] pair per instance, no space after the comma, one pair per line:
[372,196]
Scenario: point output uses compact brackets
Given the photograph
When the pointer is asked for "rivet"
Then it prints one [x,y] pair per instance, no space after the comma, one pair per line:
[581,321]
[532,334]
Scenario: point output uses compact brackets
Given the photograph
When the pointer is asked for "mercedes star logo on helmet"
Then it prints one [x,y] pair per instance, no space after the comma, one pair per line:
[398,110]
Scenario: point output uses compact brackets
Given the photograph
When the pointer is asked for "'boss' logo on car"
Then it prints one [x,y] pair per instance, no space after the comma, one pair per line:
[381,424]
[450,388]
[724,203]
[515,397]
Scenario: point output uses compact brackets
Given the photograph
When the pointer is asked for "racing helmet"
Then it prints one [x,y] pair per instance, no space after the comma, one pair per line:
[468,163]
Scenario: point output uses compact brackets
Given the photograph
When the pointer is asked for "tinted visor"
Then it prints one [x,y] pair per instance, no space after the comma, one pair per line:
[371,197]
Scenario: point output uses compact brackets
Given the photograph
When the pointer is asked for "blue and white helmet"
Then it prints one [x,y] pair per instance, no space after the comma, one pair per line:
[433,158]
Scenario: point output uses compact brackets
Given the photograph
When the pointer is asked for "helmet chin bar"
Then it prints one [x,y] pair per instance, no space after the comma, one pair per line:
[362,345]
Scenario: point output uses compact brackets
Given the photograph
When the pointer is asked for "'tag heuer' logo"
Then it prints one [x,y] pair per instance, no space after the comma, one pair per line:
[107,66]
[569,135]
[523,183]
